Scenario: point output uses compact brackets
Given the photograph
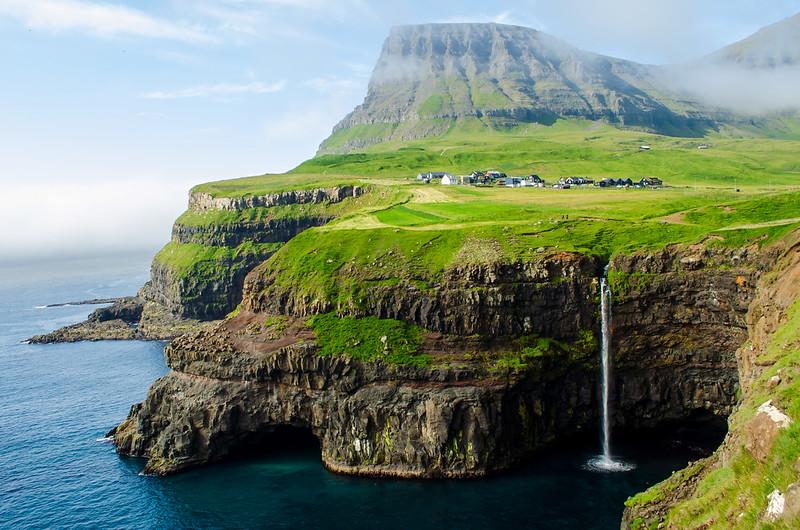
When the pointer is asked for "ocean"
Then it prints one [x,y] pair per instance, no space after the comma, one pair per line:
[56,470]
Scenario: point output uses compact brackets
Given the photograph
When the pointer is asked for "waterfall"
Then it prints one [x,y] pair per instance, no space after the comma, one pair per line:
[605,361]
[606,461]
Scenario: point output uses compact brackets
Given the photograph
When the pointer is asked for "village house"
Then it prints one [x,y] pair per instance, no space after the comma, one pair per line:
[653,182]
[450,180]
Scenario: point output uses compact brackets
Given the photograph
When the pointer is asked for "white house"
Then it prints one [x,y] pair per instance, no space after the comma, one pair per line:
[450,180]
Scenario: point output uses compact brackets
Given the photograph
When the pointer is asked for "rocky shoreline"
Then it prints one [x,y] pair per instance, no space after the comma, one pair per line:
[127,318]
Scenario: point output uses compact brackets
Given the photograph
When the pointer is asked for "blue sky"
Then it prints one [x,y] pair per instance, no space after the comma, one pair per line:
[112,110]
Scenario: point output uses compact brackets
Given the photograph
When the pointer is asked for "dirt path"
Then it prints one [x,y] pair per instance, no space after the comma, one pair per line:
[677,218]
[778,222]
[430,196]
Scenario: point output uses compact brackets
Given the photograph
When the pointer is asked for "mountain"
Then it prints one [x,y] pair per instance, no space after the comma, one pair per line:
[774,46]
[430,77]
[433,78]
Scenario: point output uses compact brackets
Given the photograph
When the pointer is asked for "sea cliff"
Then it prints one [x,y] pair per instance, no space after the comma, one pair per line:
[481,399]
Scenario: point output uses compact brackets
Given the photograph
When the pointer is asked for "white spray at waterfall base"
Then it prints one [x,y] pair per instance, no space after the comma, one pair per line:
[606,462]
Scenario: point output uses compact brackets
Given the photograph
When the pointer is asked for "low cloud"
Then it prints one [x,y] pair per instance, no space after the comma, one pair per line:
[98,19]
[739,89]
[90,218]
[333,84]
[220,89]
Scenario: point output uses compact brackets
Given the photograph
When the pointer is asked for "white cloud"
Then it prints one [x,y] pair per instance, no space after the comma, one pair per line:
[504,17]
[220,89]
[99,19]
[251,19]
[333,84]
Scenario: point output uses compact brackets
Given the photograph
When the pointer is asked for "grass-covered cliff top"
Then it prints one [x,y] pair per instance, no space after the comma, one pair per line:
[271,183]
[437,227]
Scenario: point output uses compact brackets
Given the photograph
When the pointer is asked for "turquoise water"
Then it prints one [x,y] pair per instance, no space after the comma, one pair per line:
[56,401]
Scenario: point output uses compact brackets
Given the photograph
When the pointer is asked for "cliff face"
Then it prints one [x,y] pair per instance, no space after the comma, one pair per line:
[237,383]
[752,480]
[679,316]
[546,297]
[212,285]
[371,419]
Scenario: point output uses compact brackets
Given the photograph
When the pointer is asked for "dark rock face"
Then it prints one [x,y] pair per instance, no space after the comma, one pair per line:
[678,318]
[129,310]
[547,297]
[671,338]
[272,231]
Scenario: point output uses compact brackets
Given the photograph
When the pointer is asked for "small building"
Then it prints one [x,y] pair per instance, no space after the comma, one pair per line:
[466,180]
[513,182]
[607,183]
[536,179]
[450,180]
[644,148]
[496,175]
[703,146]
[651,182]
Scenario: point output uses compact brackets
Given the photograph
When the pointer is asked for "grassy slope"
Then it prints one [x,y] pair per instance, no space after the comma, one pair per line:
[577,148]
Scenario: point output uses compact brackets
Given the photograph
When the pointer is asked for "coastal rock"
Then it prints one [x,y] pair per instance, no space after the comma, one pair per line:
[762,430]
[370,418]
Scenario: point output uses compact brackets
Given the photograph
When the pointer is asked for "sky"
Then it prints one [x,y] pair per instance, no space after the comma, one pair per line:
[112,110]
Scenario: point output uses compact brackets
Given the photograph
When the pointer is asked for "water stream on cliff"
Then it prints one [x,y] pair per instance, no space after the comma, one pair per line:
[606,461]
[58,400]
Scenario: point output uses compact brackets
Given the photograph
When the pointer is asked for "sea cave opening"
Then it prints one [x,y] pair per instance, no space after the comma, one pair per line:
[274,441]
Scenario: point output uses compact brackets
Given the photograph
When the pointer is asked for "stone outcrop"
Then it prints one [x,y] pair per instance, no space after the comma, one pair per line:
[230,385]
[130,318]
[205,201]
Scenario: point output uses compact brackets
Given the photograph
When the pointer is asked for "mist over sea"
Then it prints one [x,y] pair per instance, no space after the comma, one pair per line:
[58,401]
